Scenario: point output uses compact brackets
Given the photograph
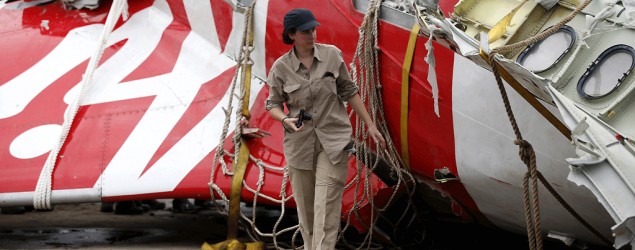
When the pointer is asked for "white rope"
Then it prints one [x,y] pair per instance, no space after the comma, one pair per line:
[43,190]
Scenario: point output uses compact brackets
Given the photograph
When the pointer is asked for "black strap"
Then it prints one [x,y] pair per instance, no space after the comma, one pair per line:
[285,127]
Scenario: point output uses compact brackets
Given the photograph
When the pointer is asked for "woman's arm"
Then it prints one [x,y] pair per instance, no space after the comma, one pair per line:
[287,122]
[275,100]
[358,106]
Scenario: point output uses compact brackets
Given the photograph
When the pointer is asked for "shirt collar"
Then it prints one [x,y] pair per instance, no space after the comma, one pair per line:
[295,62]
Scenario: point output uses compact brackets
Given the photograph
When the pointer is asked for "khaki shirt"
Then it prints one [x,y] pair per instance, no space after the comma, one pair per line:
[320,91]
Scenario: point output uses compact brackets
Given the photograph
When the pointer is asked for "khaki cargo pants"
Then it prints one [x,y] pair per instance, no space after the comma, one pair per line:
[318,196]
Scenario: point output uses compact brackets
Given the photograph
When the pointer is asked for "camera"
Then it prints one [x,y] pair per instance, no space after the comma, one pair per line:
[303,116]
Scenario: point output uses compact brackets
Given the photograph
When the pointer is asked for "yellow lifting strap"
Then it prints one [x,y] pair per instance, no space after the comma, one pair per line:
[531,99]
[405,94]
[233,245]
[240,167]
[243,154]
[237,186]
[247,68]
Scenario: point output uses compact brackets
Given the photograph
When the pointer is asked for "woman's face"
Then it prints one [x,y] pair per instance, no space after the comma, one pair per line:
[304,39]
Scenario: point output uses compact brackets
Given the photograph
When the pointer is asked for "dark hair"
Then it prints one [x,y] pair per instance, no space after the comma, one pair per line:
[285,36]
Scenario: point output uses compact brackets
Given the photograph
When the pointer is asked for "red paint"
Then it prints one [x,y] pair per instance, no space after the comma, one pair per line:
[434,135]
[619,138]
[100,130]
[21,175]
[163,58]
[95,137]
[206,99]
[223,15]
[196,181]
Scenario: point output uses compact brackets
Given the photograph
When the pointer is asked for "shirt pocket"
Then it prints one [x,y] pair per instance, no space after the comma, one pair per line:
[293,93]
[329,84]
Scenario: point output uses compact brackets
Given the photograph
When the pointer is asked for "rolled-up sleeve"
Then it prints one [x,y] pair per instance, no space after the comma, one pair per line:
[276,97]
[346,88]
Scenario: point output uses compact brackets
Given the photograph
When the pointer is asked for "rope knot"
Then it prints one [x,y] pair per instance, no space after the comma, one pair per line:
[522,143]
[248,48]
[525,151]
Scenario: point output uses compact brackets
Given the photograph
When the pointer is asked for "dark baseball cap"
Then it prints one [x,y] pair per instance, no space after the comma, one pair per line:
[300,19]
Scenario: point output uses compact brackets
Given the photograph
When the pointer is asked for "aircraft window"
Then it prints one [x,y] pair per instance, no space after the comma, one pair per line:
[544,54]
[607,72]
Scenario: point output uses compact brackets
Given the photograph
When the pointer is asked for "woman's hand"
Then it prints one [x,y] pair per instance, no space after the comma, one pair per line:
[358,106]
[377,137]
[289,124]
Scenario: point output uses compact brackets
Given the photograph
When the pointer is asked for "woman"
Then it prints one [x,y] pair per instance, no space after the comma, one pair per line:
[312,78]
